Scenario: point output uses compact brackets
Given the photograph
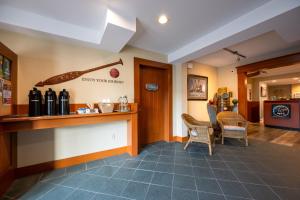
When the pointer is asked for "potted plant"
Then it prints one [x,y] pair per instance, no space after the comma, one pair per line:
[234,102]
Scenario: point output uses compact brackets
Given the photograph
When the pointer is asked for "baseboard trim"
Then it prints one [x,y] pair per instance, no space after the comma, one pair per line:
[180,139]
[56,164]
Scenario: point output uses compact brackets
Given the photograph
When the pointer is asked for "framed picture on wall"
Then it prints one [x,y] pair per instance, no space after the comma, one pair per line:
[1,61]
[6,69]
[197,87]
[263,91]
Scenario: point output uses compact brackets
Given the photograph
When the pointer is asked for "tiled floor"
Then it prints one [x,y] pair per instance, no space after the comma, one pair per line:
[262,171]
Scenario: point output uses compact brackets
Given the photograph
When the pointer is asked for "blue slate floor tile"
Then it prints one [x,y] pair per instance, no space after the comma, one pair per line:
[234,189]
[261,192]
[81,195]
[183,170]
[164,167]
[147,165]
[208,185]
[209,196]
[166,171]
[142,176]
[75,180]
[131,164]
[160,178]
[108,197]
[158,192]
[179,194]
[107,171]
[185,182]
[135,190]
[58,193]
[124,173]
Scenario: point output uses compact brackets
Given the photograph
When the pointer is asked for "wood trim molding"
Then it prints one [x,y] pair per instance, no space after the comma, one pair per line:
[22,109]
[8,141]
[138,62]
[180,139]
[56,164]
[270,63]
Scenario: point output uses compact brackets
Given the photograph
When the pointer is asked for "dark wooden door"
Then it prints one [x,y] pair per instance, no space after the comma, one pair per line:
[152,104]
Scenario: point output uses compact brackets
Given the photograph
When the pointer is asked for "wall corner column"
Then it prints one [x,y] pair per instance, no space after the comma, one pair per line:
[179,99]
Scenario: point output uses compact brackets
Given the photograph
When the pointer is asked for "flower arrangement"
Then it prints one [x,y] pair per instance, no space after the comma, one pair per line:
[234,101]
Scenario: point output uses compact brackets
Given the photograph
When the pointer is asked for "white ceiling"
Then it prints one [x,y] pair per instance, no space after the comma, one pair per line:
[260,45]
[195,28]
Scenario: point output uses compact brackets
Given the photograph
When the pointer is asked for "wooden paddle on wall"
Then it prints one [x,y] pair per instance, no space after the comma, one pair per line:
[72,75]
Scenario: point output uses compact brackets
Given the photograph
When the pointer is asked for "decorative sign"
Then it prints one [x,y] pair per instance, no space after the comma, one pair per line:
[114,73]
[101,80]
[281,111]
[61,78]
[152,87]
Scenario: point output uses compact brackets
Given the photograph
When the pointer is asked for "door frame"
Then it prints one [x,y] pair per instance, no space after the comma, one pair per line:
[265,64]
[138,63]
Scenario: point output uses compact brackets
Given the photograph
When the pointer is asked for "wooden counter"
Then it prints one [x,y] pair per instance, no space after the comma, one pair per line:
[282,113]
[21,123]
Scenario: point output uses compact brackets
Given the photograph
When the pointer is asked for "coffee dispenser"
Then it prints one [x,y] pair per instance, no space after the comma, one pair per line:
[50,102]
[35,102]
[63,102]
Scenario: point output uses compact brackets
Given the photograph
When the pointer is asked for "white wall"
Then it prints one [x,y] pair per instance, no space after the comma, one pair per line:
[198,109]
[40,58]
[179,99]
[55,144]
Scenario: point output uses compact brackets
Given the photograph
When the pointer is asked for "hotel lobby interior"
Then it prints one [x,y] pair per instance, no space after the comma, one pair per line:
[150,100]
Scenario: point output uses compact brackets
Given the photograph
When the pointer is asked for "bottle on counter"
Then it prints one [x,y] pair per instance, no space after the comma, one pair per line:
[35,102]
[63,102]
[50,102]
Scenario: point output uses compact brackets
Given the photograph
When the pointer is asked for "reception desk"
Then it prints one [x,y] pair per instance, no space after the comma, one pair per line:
[282,113]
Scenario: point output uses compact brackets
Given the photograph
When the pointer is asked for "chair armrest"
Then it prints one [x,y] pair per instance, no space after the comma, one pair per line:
[203,123]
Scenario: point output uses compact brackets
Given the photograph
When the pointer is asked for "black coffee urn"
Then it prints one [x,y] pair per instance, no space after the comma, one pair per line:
[63,102]
[35,102]
[50,102]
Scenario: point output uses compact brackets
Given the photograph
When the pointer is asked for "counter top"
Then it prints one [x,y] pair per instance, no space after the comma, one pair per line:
[282,101]
[19,118]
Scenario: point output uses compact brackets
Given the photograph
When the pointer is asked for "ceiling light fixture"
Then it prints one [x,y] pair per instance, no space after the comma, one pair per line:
[163,19]
[296,78]
[274,81]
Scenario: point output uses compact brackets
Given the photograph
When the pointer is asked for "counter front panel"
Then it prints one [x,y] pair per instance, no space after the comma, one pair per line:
[284,113]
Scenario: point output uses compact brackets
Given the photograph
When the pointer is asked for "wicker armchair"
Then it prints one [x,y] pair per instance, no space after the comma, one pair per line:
[199,131]
[233,125]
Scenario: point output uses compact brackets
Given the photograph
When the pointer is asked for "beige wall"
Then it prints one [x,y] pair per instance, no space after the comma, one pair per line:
[295,89]
[227,77]
[41,58]
[198,109]
[280,91]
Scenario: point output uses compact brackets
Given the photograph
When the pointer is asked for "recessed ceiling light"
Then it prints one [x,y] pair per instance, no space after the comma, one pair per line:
[296,78]
[162,19]
[274,81]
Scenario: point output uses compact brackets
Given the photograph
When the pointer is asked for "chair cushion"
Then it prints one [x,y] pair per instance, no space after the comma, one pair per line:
[194,133]
[234,128]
